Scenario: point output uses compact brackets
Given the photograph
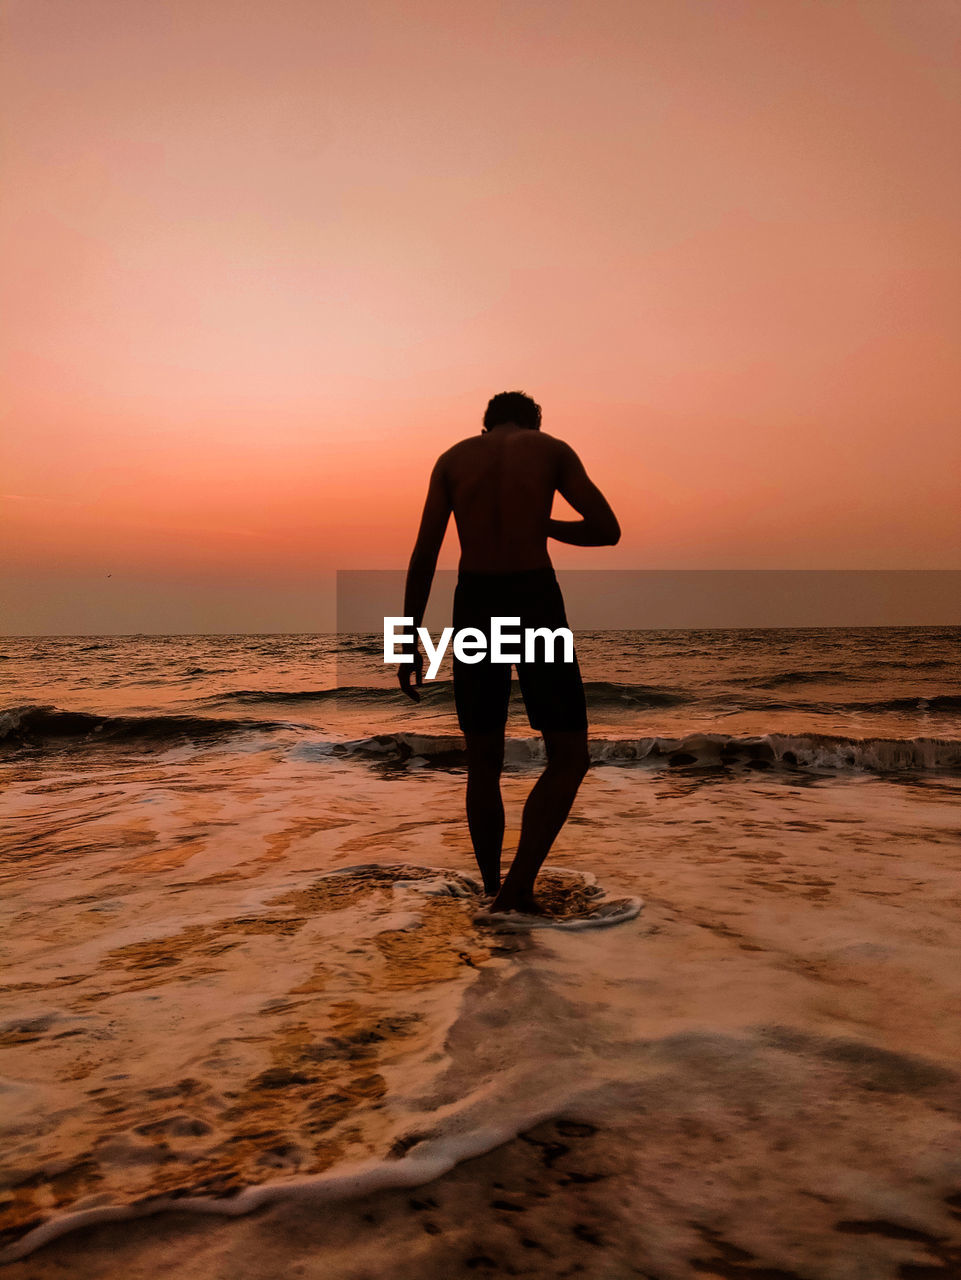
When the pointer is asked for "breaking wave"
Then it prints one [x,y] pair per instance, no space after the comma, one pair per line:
[33,725]
[696,750]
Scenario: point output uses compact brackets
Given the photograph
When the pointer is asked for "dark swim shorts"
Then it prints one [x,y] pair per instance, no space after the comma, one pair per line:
[553,692]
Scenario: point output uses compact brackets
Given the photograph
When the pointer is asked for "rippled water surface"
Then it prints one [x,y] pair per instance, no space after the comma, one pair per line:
[239,941]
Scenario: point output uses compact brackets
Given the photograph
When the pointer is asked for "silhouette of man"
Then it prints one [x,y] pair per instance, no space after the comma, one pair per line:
[500,486]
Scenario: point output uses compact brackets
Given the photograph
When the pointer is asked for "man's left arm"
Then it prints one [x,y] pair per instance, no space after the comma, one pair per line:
[420,570]
[598,526]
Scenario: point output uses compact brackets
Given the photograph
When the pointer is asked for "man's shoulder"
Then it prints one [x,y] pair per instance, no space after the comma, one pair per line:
[546,445]
[536,439]
[554,443]
[450,457]
[462,446]
[558,451]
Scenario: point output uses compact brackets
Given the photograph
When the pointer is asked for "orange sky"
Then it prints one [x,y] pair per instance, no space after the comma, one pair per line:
[264,261]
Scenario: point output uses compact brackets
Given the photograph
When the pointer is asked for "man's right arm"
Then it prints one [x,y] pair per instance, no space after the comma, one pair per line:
[598,526]
[420,571]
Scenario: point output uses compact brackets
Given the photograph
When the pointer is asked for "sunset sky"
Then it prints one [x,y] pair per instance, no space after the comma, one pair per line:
[262,262]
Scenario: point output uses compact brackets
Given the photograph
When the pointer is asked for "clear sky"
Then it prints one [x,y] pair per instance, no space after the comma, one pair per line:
[263,261]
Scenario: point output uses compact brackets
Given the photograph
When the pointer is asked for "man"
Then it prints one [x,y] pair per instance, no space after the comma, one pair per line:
[500,486]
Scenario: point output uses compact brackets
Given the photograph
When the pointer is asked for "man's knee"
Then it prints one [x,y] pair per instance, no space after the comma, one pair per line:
[568,753]
[487,766]
[485,753]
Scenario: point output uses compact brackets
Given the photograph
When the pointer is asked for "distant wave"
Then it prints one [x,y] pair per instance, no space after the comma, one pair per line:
[940,702]
[916,664]
[611,697]
[703,750]
[801,677]
[937,704]
[33,725]
[599,693]
[354,693]
[610,693]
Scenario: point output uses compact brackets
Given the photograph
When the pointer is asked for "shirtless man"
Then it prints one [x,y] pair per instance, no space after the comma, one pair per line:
[500,486]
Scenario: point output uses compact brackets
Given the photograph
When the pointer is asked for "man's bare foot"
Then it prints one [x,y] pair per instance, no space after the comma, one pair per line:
[525,903]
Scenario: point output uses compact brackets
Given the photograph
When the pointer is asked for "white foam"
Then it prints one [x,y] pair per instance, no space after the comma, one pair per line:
[603,911]
[611,911]
[427,1162]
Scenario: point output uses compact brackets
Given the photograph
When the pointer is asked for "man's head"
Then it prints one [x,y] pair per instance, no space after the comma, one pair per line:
[512,406]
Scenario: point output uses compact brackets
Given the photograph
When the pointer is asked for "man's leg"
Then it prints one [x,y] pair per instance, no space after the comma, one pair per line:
[485,808]
[545,812]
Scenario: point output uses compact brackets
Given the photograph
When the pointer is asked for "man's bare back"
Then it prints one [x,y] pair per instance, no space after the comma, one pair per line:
[500,488]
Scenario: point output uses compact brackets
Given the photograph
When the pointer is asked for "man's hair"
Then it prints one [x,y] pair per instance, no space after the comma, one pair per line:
[512,406]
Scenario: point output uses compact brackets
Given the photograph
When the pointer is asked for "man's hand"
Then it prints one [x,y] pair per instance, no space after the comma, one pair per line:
[412,670]
[598,526]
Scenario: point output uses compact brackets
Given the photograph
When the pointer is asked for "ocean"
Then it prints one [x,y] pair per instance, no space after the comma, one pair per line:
[241,964]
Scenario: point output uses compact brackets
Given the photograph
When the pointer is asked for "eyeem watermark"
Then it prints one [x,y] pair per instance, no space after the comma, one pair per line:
[470,643]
